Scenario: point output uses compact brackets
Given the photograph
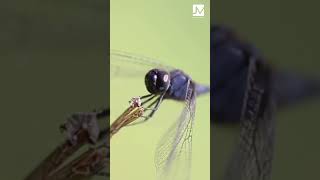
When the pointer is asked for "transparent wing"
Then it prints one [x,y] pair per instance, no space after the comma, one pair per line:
[124,64]
[252,159]
[173,153]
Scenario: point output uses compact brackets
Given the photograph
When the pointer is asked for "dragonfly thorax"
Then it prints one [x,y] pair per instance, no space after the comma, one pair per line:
[157,81]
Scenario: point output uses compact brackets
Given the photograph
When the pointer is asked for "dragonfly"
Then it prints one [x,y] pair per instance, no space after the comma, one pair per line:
[173,153]
[248,90]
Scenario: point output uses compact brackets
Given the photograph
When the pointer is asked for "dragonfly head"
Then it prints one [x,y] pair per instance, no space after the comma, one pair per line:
[157,81]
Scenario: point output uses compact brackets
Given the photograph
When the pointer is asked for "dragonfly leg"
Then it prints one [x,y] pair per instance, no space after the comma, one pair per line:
[145,96]
[151,96]
[153,110]
[145,117]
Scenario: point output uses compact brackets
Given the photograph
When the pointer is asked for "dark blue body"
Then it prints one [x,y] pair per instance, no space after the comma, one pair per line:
[229,70]
[230,58]
[179,84]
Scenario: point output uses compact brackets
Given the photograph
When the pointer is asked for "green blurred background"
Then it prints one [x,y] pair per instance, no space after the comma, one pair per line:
[287,34]
[164,30]
[53,63]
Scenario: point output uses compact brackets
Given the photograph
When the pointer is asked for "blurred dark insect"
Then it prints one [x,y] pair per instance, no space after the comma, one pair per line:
[246,89]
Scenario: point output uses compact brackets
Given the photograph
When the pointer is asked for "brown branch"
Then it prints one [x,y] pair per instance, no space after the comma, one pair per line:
[86,165]
[89,163]
[51,164]
[127,117]
[57,157]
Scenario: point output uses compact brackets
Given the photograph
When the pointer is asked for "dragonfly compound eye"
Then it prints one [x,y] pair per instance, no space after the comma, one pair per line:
[157,81]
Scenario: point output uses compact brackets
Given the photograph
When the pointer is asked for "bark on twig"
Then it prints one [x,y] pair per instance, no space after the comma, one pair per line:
[50,168]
